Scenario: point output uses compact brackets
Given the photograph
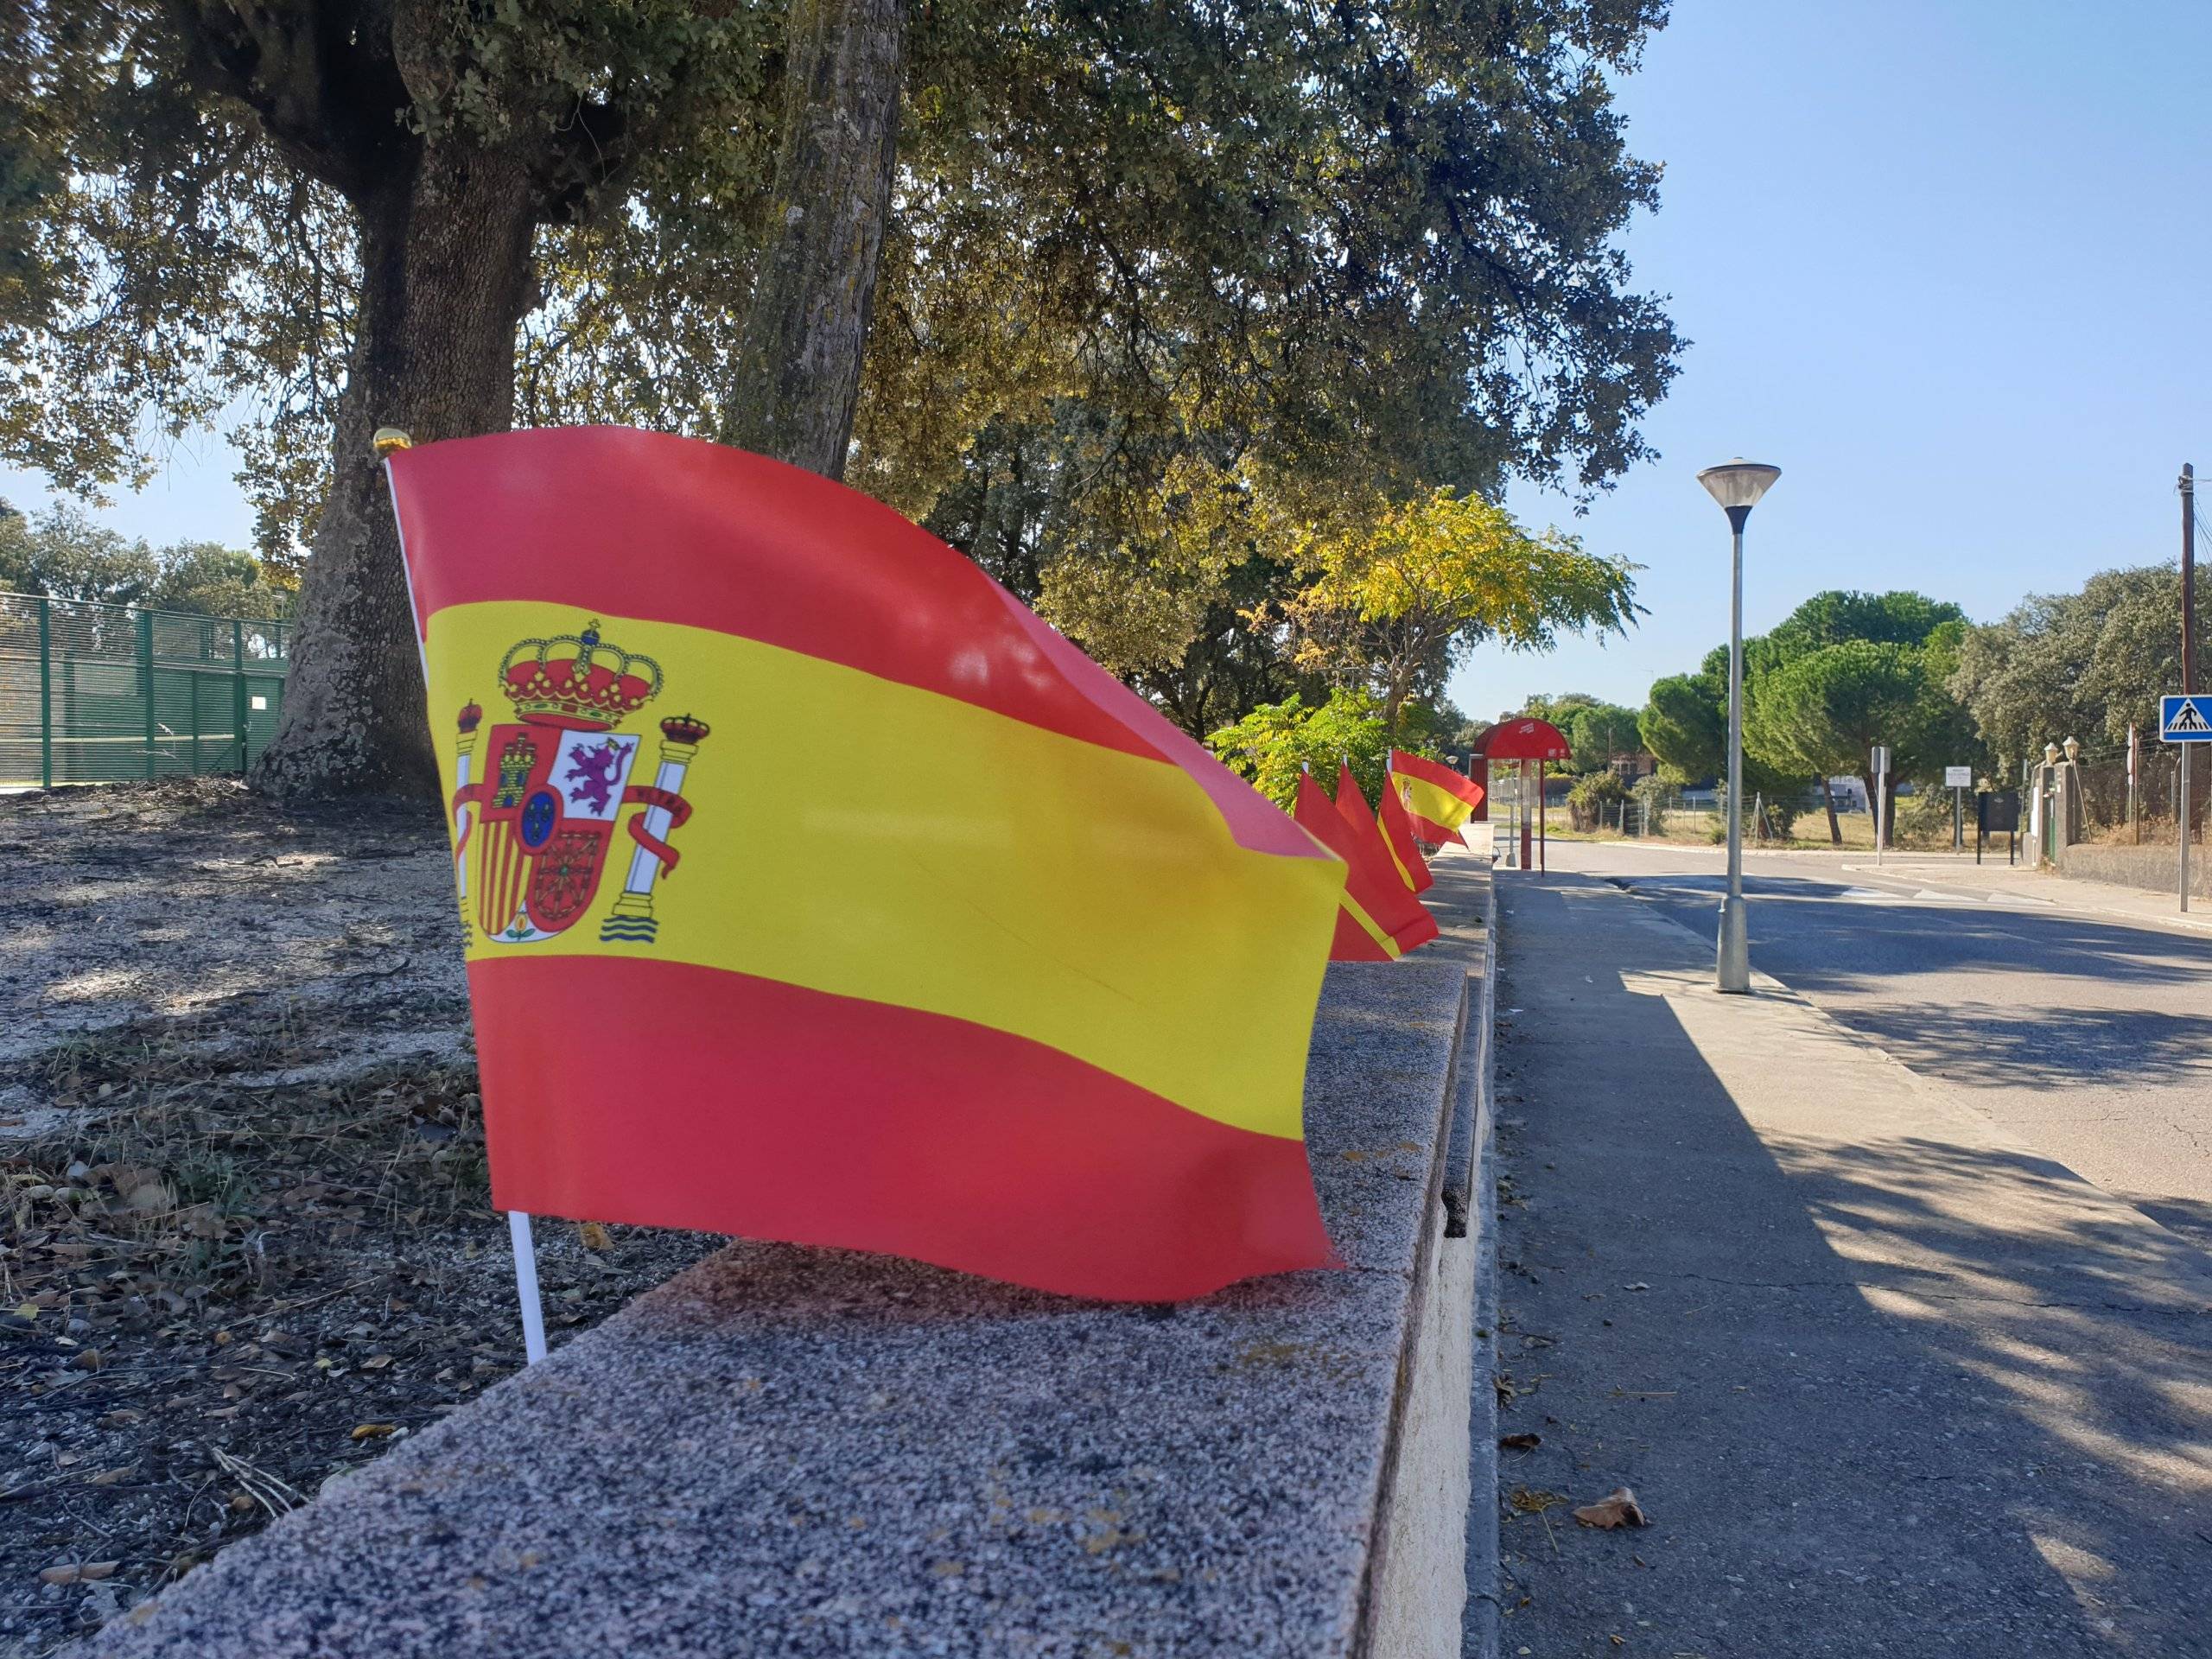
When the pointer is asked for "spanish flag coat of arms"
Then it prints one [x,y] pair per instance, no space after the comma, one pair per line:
[816,890]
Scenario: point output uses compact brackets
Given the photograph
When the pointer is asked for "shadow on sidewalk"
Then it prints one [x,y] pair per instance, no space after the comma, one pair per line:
[1881,1392]
[1872,969]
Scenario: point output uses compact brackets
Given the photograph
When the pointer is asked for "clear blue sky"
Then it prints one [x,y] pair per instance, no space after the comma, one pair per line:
[1941,262]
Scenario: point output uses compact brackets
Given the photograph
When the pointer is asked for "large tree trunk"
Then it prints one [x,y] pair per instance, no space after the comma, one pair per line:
[445,271]
[797,375]
[1835,829]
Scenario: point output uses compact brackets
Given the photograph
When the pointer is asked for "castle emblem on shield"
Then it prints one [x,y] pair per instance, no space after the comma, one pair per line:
[532,836]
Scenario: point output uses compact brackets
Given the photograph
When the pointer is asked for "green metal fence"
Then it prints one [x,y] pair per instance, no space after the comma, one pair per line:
[96,694]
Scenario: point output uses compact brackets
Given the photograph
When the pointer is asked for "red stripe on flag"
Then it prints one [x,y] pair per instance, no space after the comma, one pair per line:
[677,1095]
[1351,802]
[1352,941]
[744,544]
[1434,833]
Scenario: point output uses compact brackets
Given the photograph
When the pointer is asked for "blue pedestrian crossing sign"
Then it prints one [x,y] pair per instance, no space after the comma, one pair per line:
[2185,719]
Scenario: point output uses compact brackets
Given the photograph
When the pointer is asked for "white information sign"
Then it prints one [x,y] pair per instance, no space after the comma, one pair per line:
[1958,776]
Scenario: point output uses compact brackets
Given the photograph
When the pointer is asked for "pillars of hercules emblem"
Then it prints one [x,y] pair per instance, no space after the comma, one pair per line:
[632,919]
[469,718]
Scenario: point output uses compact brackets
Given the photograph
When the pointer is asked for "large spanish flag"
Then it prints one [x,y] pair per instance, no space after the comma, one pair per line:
[1436,795]
[1380,919]
[816,890]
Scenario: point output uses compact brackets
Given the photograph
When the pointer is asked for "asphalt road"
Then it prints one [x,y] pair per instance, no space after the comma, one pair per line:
[2087,1035]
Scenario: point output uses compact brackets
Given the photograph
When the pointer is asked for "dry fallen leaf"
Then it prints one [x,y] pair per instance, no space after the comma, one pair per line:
[1619,1508]
[1530,1503]
[373,1431]
[110,1476]
[1520,1442]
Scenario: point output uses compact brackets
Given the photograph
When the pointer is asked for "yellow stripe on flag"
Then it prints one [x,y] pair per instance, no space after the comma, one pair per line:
[856,835]
[1397,863]
[1368,927]
[1439,806]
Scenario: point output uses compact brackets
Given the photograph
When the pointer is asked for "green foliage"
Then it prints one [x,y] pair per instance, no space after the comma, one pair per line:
[1685,725]
[1655,797]
[1823,712]
[1923,818]
[2085,665]
[1824,697]
[1829,619]
[1141,261]
[181,188]
[66,555]
[208,579]
[1840,673]
[1400,594]
[1274,743]
[1591,801]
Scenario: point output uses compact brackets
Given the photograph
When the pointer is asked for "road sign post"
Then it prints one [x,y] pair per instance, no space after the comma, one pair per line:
[2185,719]
[1881,768]
[1958,780]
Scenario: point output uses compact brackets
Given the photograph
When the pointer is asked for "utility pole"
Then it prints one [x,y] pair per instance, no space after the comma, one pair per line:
[2188,648]
[2134,785]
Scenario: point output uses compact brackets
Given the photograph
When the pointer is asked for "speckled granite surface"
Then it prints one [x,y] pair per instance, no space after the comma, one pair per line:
[788,1452]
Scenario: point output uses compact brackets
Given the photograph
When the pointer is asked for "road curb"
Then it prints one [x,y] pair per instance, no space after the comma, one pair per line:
[1479,1631]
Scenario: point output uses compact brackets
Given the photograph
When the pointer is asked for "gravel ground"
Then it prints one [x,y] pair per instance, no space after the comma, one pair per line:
[247,1242]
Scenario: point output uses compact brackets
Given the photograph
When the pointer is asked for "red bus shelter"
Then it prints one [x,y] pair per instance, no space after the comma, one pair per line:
[1531,741]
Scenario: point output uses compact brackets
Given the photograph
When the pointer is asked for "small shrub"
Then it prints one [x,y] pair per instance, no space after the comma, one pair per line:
[1594,798]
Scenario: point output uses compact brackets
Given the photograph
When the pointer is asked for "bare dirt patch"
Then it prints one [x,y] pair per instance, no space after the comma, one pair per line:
[245,1239]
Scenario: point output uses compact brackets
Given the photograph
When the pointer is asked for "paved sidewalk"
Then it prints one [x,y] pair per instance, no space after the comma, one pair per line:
[1886,1382]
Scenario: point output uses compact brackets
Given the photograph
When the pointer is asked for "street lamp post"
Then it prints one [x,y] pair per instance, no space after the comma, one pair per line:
[1736,487]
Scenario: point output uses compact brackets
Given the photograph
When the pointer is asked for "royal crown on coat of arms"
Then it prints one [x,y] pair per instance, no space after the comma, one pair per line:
[578,677]
[542,813]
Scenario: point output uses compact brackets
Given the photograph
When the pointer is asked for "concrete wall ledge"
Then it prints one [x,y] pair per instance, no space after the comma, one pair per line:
[2155,869]
[789,1452]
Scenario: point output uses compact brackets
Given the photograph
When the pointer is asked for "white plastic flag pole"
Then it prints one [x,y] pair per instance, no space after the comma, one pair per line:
[533,1311]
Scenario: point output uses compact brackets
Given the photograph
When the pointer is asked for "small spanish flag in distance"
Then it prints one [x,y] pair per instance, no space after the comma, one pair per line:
[1436,795]
[1398,835]
[1381,920]
[815,890]
[1367,827]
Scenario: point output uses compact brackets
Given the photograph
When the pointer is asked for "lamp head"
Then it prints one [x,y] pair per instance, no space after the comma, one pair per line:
[2051,755]
[2073,749]
[1738,484]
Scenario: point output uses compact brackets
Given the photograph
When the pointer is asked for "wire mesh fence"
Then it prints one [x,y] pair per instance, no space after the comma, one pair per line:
[95,693]
[2112,811]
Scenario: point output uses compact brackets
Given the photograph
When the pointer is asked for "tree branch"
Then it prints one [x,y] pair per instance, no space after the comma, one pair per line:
[317,74]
